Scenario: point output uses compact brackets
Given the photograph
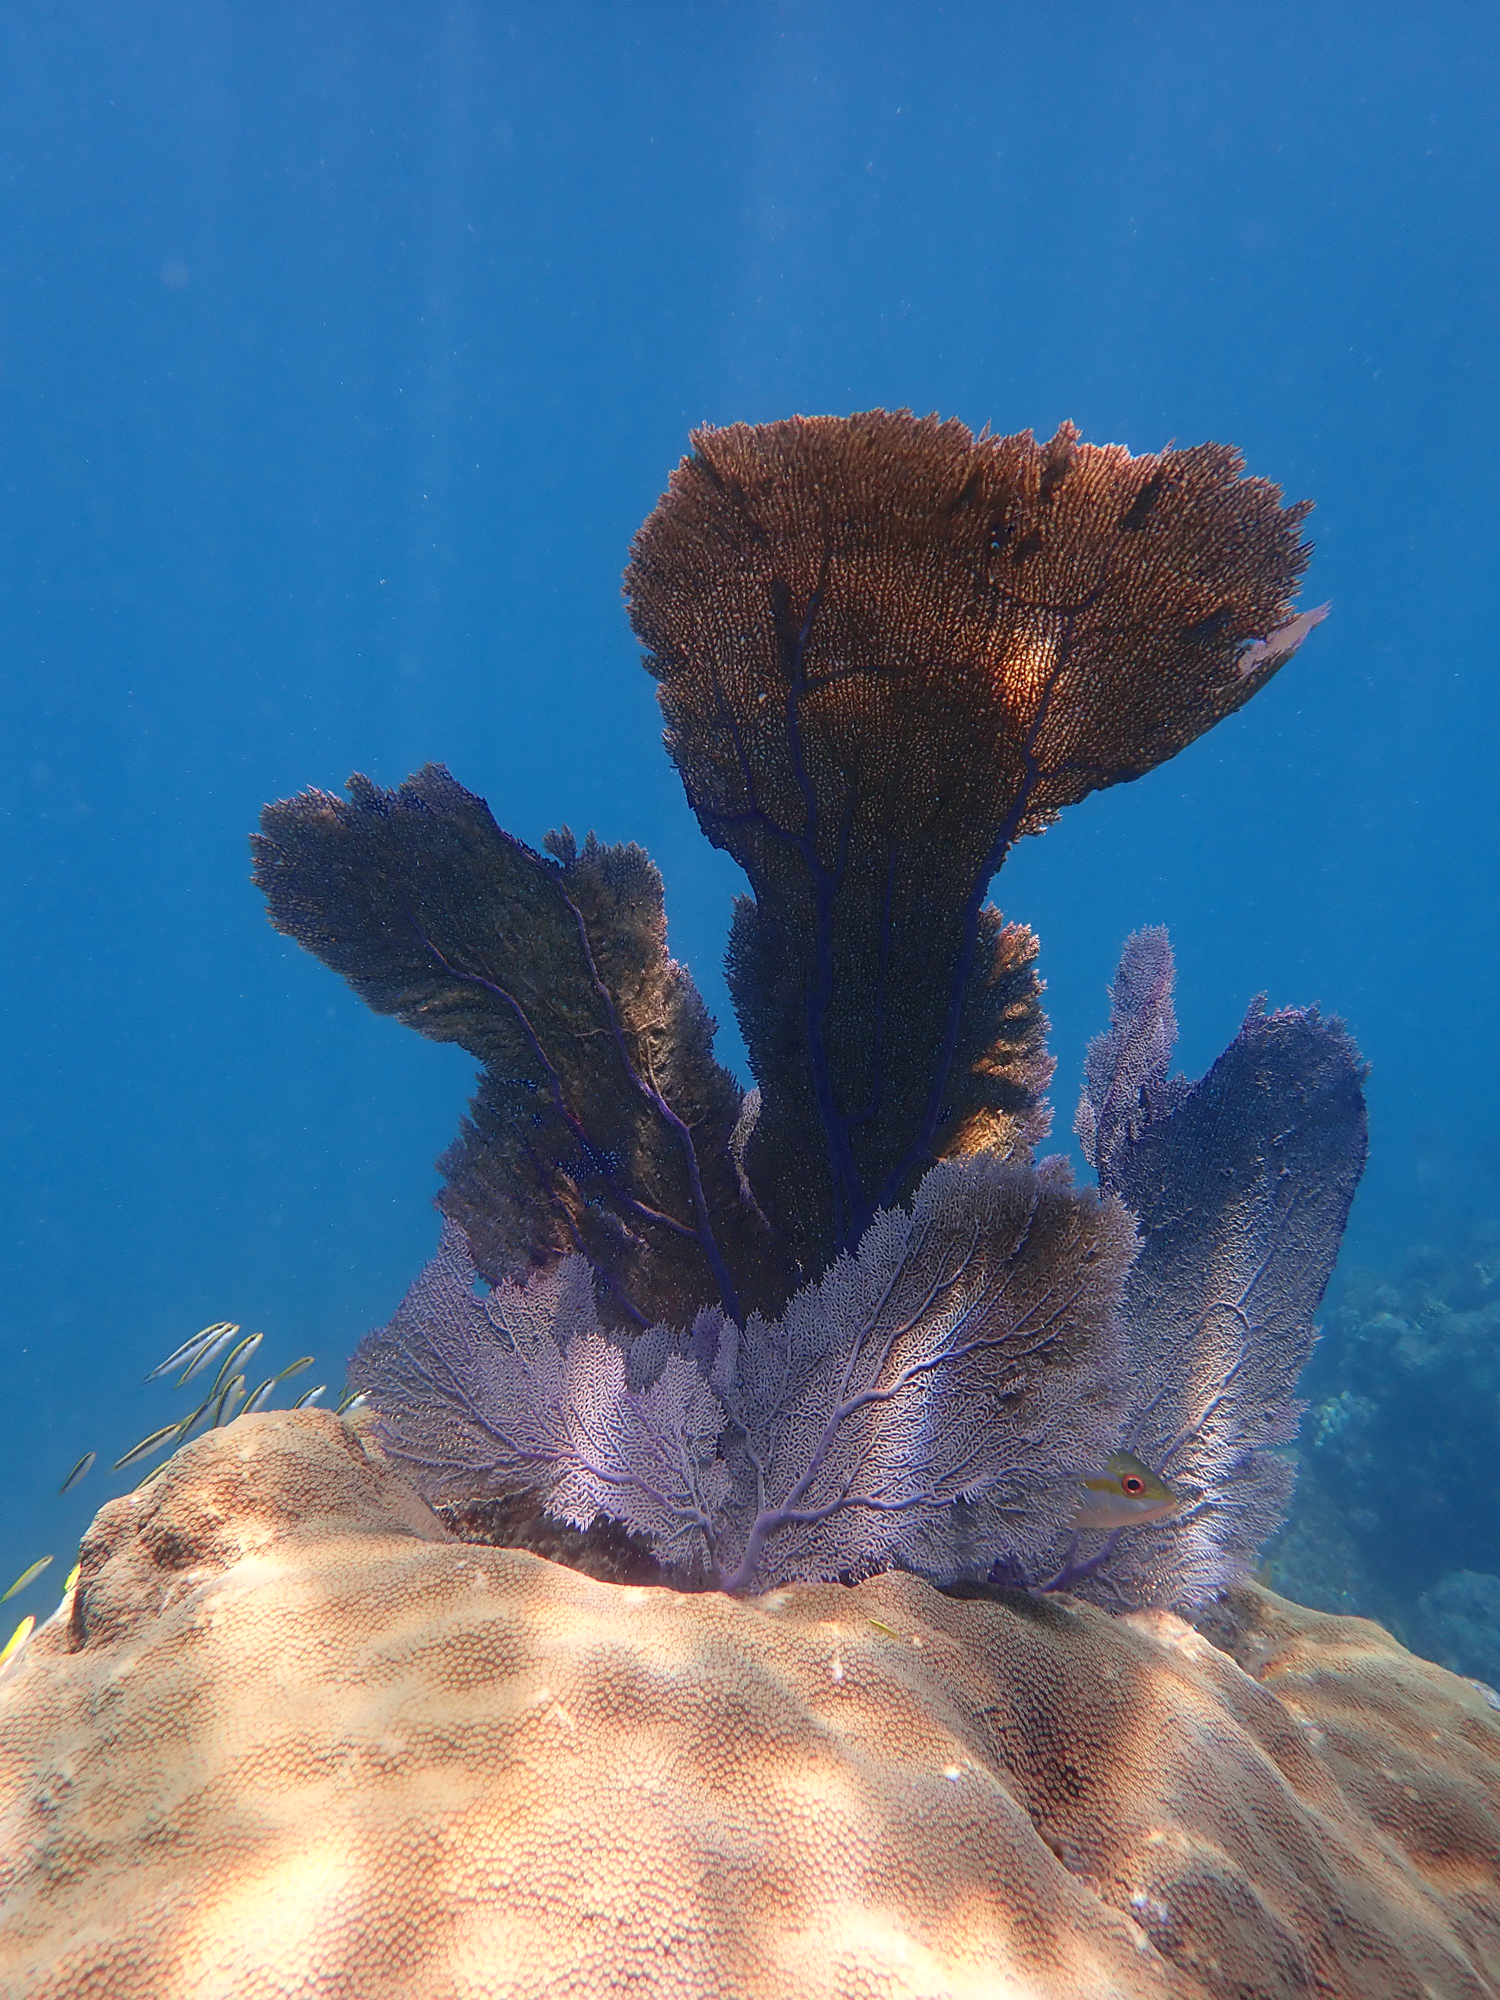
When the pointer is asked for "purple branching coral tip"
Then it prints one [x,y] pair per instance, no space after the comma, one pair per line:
[1125,1070]
[1241,1184]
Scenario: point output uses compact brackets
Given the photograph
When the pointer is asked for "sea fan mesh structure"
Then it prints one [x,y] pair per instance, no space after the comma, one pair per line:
[1241,1184]
[1125,1071]
[602,1121]
[930,1402]
[885,650]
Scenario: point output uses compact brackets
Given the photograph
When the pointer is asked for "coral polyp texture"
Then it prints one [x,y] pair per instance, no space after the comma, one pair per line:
[845,1322]
[286,1736]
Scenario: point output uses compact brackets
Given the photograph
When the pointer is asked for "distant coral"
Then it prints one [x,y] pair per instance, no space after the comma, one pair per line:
[841,1320]
[1461,1624]
[1402,1436]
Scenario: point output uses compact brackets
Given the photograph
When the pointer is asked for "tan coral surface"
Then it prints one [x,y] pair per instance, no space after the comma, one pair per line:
[288,1738]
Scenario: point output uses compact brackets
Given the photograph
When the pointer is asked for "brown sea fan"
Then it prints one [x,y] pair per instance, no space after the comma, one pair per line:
[886,649]
[602,1122]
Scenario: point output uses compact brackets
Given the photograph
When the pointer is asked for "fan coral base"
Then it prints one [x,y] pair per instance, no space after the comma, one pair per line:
[286,1736]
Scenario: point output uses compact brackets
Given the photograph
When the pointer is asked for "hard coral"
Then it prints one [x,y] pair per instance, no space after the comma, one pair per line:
[288,1737]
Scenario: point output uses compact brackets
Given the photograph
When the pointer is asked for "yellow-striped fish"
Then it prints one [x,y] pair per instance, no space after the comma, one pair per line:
[1126,1493]
[198,1351]
[147,1444]
[26,1576]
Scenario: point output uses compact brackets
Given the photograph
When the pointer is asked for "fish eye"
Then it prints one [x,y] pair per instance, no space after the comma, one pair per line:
[1133,1483]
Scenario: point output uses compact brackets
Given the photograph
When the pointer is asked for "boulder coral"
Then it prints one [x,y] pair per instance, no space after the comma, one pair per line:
[286,1735]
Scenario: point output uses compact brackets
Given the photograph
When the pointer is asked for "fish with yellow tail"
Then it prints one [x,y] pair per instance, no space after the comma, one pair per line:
[15,1645]
[1125,1494]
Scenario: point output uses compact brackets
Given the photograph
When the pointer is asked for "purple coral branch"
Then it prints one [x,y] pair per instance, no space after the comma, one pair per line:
[1072,1571]
[524,1391]
[847,1186]
[617,1291]
[877,1038]
[1125,1070]
[1191,1432]
[848,1191]
[873,1401]
[836,1128]
[790,1513]
[1241,1184]
[594,1460]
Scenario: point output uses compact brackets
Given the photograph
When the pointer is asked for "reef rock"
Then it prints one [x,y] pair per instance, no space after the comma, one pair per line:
[286,1736]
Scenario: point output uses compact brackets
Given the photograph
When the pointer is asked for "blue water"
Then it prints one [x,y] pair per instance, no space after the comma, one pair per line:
[343,349]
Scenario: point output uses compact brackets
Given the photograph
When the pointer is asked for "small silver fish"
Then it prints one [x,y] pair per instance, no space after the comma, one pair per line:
[237,1356]
[229,1395]
[147,1444]
[258,1395]
[197,1350]
[209,1353]
[26,1576]
[190,1422]
[1126,1493]
[84,1465]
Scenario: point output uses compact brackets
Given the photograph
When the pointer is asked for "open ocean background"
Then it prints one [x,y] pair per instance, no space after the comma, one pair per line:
[343,349]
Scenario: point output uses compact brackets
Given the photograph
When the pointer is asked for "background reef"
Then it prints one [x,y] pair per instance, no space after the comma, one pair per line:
[1396,1514]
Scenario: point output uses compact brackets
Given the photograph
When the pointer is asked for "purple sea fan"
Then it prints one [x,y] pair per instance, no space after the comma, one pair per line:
[929,1403]
[523,1391]
[1241,1187]
[1125,1070]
